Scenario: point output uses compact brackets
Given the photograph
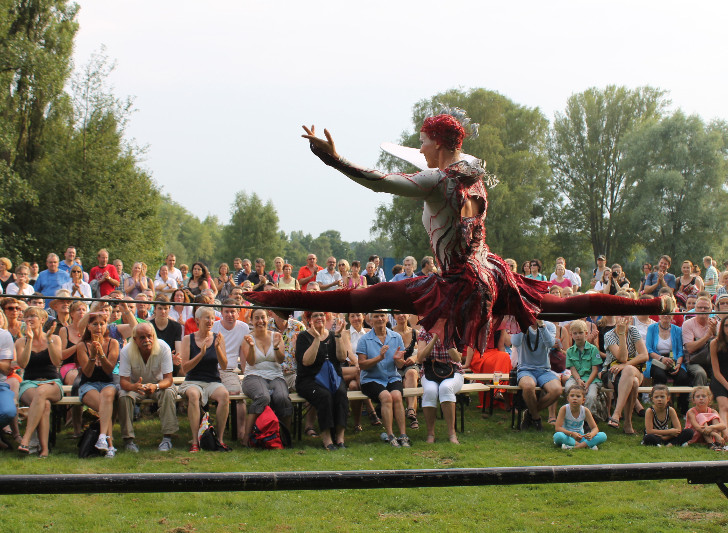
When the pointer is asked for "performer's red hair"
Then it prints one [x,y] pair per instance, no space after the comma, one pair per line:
[445,130]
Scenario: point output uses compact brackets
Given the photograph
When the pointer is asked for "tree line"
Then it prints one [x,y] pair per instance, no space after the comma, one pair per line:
[615,172]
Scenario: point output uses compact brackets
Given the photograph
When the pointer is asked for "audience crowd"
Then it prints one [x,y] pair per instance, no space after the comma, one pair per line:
[121,350]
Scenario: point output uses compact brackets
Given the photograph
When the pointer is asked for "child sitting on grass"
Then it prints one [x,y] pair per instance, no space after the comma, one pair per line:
[706,422]
[570,424]
[662,425]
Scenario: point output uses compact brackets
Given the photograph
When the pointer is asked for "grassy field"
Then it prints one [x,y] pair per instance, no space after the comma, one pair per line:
[635,506]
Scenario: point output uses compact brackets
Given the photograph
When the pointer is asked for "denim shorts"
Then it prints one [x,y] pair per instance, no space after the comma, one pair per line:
[93,385]
[540,375]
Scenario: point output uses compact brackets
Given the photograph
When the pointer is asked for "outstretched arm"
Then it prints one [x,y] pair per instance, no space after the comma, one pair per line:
[418,185]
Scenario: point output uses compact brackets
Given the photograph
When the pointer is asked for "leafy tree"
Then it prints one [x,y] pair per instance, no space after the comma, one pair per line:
[677,173]
[586,155]
[253,229]
[189,238]
[512,141]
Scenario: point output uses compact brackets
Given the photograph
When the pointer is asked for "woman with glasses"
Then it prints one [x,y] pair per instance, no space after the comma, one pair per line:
[21,285]
[77,286]
[536,268]
[39,355]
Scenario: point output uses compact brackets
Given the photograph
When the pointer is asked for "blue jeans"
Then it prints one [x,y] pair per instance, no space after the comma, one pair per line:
[562,438]
[7,405]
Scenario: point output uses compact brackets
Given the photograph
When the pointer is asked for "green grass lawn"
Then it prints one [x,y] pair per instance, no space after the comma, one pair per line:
[635,506]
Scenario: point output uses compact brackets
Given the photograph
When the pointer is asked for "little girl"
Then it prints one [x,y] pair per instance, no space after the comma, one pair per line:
[705,421]
[662,425]
[570,424]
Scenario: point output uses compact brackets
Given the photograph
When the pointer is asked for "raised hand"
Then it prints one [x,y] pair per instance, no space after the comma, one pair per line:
[384,349]
[326,146]
[278,341]
[249,340]
[398,355]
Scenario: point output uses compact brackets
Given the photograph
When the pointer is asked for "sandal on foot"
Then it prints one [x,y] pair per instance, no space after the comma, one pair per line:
[22,448]
[613,422]
[414,424]
[375,419]
[358,429]
[194,448]
[310,432]
[552,421]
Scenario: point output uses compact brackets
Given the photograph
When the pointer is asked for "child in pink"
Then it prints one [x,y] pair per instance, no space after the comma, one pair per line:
[706,422]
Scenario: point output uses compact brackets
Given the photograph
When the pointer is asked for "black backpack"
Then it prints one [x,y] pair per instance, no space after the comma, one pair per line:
[87,442]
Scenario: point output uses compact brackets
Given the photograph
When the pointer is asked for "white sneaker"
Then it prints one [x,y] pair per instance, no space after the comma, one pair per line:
[131,447]
[595,448]
[111,453]
[165,445]
[566,447]
[102,445]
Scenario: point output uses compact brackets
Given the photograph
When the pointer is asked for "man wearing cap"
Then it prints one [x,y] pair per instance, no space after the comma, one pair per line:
[598,272]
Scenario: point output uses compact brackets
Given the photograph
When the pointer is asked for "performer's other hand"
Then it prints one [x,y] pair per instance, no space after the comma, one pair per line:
[321,144]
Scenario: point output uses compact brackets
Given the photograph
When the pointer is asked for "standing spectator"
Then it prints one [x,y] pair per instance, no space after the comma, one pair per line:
[69,260]
[409,264]
[719,363]
[512,265]
[329,279]
[180,313]
[356,280]
[576,281]
[560,280]
[584,361]
[277,272]
[598,272]
[234,332]
[371,275]
[198,282]
[259,278]
[224,282]
[237,268]
[77,287]
[145,370]
[662,278]
[288,282]
[646,271]
[50,281]
[184,270]
[21,285]
[721,306]
[723,287]
[380,353]
[6,277]
[534,370]
[244,272]
[605,284]
[123,276]
[379,271]
[167,330]
[711,281]
[427,266]
[526,268]
[535,272]
[567,273]
[104,274]
[697,333]
[172,271]
[688,284]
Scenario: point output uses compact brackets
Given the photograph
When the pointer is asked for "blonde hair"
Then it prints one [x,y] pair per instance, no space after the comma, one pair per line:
[701,388]
[578,325]
[36,311]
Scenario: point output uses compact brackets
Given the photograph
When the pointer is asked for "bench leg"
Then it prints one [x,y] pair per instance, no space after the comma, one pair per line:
[233,420]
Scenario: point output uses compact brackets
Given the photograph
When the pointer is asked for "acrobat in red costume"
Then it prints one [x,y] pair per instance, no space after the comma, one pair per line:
[475,289]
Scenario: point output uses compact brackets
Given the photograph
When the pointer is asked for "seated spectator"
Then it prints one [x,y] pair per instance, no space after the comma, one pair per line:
[224,282]
[8,412]
[143,310]
[61,309]
[356,280]
[123,276]
[184,271]
[21,285]
[40,356]
[697,333]
[264,383]
[662,425]
[12,311]
[494,359]
[328,279]
[244,272]
[165,284]
[180,313]
[723,288]
[371,275]
[410,370]
[169,331]
[6,276]
[409,265]
[277,272]
[260,278]
[237,295]
[77,287]
[317,347]
[351,371]
[198,282]
[344,272]
[150,281]
[70,337]
[687,284]
[49,281]
[626,356]
[560,280]
[642,322]
[721,306]
[234,332]
[287,281]
[661,277]
[719,364]
[710,282]
[646,271]
[569,426]
[97,357]
[664,344]
[584,361]
[534,370]
[145,369]
[430,353]
[201,299]
[203,352]
[380,354]
[705,421]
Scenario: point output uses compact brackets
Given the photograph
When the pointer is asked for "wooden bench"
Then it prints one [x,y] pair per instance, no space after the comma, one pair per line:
[297,401]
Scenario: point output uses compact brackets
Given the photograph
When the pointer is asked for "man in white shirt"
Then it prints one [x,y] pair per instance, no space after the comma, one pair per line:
[172,272]
[145,371]
[329,279]
[234,332]
[409,264]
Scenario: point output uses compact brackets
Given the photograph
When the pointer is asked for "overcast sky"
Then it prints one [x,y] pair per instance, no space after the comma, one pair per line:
[222,88]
